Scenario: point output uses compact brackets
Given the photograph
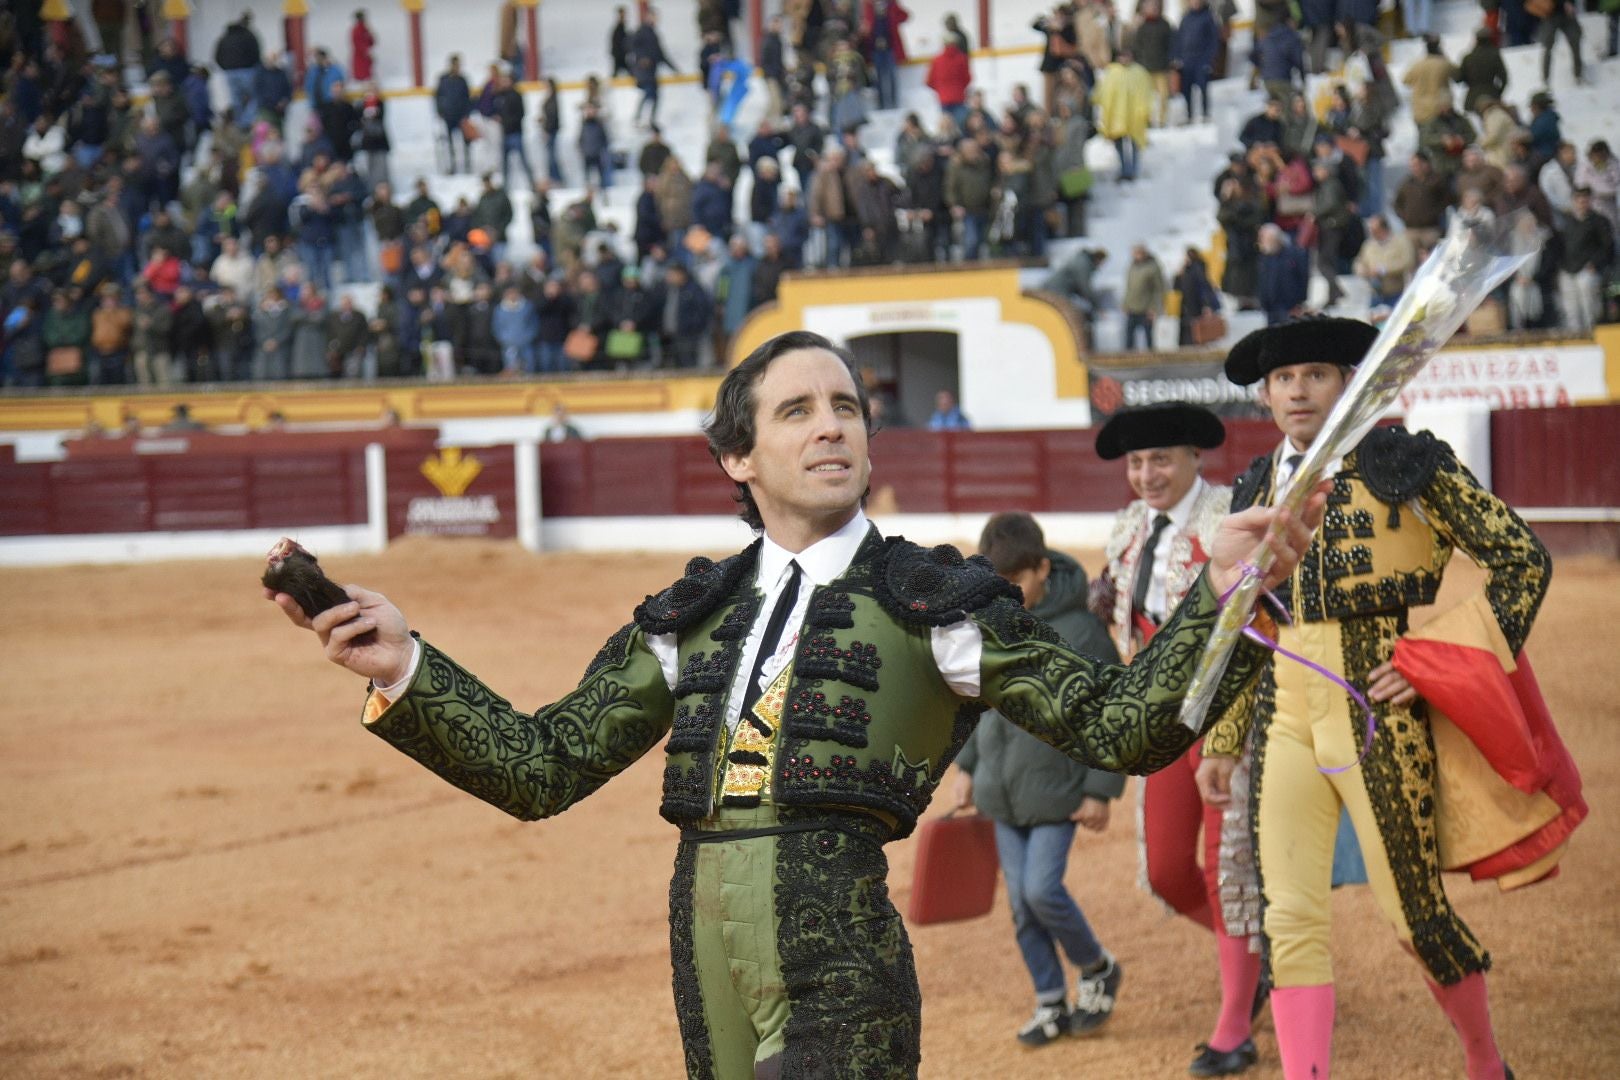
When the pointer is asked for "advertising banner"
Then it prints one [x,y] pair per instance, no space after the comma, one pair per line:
[1526,377]
[453,492]
[1125,386]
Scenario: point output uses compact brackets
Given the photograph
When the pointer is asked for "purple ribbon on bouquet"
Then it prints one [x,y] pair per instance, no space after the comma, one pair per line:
[1249,570]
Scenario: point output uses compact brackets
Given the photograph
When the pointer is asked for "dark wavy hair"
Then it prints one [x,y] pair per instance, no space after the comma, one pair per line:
[730,428]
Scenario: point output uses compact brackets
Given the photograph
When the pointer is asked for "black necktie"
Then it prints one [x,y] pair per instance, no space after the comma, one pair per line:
[1144,568]
[773,637]
[1293,462]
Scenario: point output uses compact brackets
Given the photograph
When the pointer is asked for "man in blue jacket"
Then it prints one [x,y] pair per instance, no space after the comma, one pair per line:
[1036,796]
[1279,57]
[452,100]
[1198,40]
[1284,275]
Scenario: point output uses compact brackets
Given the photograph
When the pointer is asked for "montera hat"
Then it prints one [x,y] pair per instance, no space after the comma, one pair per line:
[1304,341]
[1153,426]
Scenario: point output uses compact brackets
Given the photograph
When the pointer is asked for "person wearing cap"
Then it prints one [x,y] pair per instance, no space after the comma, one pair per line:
[1158,546]
[1401,504]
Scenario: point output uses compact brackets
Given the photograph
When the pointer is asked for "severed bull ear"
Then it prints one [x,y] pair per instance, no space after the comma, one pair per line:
[294,571]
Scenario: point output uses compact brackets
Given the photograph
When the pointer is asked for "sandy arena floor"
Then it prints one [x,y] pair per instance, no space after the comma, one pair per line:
[208,869]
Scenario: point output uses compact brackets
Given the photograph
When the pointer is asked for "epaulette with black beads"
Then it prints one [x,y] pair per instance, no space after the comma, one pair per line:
[1398,465]
[705,587]
[1247,487]
[935,586]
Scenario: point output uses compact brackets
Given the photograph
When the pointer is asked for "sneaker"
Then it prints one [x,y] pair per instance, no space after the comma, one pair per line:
[1094,1000]
[1049,1023]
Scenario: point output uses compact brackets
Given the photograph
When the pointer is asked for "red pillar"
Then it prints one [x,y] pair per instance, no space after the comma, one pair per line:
[294,25]
[984,24]
[179,14]
[416,49]
[293,14]
[531,53]
[756,20]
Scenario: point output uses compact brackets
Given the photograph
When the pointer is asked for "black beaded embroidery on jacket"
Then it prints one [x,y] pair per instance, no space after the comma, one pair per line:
[613,651]
[820,657]
[1396,465]
[935,586]
[830,609]
[810,715]
[1487,530]
[706,585]
[846,962]
[697,725]
[683,961]
[704,673]
[1253,485]
[1331,558]
[1264,698]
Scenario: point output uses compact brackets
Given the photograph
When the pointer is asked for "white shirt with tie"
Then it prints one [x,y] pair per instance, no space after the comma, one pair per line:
[1180,516]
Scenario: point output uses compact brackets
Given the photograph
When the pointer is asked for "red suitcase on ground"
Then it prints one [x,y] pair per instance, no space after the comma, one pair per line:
[955,877]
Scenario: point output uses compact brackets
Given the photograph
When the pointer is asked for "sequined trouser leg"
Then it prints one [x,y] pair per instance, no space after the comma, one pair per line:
[789,960]
[1389,796]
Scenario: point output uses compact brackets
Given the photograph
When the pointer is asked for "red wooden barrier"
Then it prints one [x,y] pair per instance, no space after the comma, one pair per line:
[1568,457]
[182,493]
[1557,457]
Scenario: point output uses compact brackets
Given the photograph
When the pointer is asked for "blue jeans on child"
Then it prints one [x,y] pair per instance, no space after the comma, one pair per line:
[1045,916]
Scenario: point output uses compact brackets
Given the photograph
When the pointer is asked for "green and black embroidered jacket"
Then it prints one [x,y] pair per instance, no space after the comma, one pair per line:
[869,722]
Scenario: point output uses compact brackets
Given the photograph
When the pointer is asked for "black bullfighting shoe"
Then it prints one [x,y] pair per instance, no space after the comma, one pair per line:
[1212,1062]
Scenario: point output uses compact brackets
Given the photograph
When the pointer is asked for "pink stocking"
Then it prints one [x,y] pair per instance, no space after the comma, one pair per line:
[1240,974]
[1465,1005]
[1303,1016]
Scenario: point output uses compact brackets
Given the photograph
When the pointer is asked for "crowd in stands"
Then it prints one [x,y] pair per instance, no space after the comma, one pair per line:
[1305,193]
[166,240]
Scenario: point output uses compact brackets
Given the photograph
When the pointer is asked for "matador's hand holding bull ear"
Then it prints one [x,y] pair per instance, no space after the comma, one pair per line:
[359,629]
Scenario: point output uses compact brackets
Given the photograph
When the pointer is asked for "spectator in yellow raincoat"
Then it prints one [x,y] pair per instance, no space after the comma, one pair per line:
[1124,98]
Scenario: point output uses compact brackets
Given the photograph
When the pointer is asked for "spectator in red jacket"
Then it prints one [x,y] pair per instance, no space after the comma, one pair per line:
[949,75]
[361,41]
[162,271]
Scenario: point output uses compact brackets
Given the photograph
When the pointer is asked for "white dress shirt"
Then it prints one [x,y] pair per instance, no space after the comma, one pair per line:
[1180,516]
[958,648]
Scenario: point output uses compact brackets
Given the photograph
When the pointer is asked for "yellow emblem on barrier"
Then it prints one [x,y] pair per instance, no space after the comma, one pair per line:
[450,472]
